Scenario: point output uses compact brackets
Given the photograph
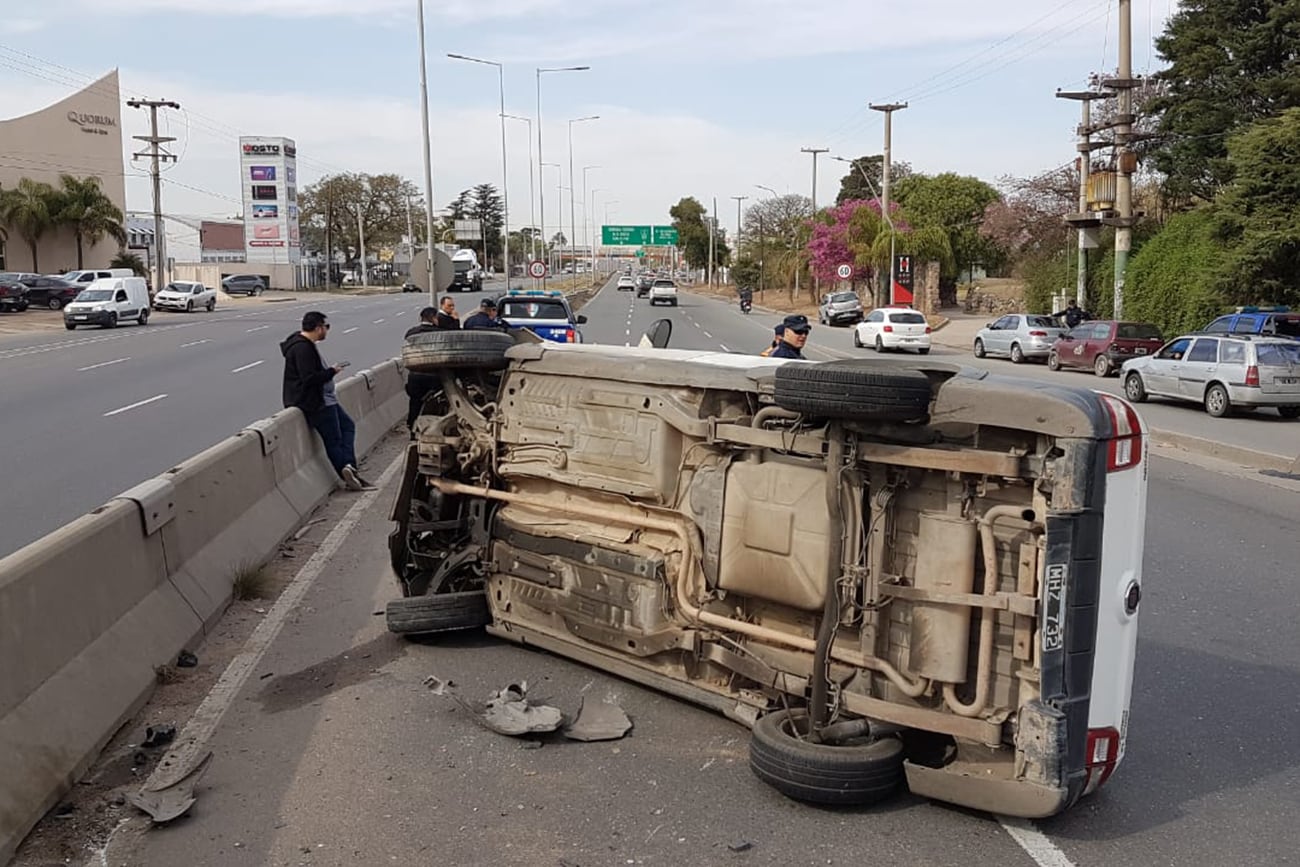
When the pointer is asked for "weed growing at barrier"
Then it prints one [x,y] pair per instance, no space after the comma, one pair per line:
[251,581]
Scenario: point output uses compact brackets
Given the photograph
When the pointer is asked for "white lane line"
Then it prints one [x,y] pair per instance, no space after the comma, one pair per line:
[1044,852]
[193,739]
[696,324]
[628,333]
[194,343]
[136,405]
[258,328]
[399,312]
[350,330]
[103,364]
[708,335]
[379,321]
[724,347]
[247,367]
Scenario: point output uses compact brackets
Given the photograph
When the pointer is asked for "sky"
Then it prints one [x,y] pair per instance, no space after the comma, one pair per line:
[704,98]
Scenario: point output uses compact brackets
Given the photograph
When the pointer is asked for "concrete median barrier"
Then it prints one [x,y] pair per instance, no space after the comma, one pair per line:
[88,612]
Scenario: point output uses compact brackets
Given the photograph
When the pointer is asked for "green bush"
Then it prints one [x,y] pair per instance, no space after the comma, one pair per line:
[1173,280]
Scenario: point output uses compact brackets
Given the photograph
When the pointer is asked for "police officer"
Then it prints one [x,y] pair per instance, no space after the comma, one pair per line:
[485,319]
[421,385]
[794,336]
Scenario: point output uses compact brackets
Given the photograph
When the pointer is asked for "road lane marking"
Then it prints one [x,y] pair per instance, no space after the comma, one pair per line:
[379,321]
[258,328]
[103,364]
[195,343]
[724,347]
[399,312]
[1036,845]
[136,405]
[350,330]
[696,324]
[192,742]
[708,335]
[247,367]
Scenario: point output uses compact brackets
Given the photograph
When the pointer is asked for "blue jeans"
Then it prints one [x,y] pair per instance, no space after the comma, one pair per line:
[339,434]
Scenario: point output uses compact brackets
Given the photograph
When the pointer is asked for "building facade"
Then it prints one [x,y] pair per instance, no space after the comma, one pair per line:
[79,136]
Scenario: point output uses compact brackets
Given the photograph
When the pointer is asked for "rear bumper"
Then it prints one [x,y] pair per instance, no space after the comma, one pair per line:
[1242,396]
[896,341]
[1008,797]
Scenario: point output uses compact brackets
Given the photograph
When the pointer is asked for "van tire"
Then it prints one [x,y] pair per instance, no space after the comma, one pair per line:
[853,390]
[69,326]
[1290,412]
[845,775]
[428,352]
[112,321]
[144,317]
[443,612]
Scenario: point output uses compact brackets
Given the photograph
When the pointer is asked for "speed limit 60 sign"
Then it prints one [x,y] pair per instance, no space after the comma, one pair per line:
[844,272]
[537,269]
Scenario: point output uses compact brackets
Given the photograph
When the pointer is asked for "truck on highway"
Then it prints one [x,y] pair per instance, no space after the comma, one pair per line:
[467,274]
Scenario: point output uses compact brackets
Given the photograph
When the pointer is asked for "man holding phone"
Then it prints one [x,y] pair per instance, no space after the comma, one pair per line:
[309,386]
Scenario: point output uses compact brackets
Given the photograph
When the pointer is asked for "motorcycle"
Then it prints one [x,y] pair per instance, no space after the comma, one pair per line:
[746,303]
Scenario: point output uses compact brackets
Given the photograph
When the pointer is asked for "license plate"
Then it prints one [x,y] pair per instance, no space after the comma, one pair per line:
[1286,380]
[81,318]
[1141,351]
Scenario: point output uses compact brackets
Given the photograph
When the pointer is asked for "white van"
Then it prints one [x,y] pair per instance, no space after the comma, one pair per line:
[108,301]
[91,275]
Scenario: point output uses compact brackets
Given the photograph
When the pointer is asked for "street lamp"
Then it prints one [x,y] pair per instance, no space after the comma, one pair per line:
[505,195]
[573,210]
[586,213]
[532,213]
[559,188]
[428,167]
[591,221]
[884,213]
[541,196]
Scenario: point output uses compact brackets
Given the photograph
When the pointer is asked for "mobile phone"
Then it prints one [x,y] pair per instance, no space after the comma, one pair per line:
[345,364]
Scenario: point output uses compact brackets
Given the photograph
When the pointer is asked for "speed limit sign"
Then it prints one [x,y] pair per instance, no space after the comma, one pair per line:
[537,269]
[844,272]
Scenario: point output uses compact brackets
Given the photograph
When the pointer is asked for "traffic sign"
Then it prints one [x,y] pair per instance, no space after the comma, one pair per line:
[624,236]
[844,272]
[664,236]
[537,269]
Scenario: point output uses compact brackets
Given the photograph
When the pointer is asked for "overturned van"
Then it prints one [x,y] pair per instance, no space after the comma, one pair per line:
[896,572]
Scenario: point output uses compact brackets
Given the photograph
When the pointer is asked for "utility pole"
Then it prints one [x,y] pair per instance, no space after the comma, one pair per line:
[410,231]
[329,242]
[738,199]
[1126,159]
[1084,221]
[888,109]
[713,222]
[428,164]
[158,156]
[361,232]
[814,152]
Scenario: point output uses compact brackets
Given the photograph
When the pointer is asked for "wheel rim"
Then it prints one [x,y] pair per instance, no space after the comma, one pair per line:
[1133,388]
[1053,362]
[54,304]
[1216,400]
[879,345]
[1101,366]
[979,347]
[1016,354]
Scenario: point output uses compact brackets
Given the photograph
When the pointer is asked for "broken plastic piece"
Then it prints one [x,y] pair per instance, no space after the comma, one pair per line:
[508,712]
[157,736]
[186,660]
[175,800]
[598,721]
[438,686]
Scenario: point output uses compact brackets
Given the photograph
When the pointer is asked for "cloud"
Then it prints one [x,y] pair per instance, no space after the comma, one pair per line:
[20,26]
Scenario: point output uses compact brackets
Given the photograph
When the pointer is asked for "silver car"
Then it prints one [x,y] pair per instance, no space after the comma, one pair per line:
[840,307]
[1220,372]
[1018,336]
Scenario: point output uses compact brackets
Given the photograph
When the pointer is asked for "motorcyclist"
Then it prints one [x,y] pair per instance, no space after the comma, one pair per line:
[1073,313]
[746,298]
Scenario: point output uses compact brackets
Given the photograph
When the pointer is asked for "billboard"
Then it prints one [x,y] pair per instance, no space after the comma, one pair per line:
[268,180]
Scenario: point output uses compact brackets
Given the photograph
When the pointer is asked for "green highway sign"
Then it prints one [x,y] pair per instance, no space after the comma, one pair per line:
[638,236]
[665,236]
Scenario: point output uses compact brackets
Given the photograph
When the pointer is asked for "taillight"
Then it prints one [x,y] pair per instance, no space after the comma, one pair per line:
[927,329]
[888,329]
[1252,376]
[1103,756]
[1038,334]
[1124,450]
[570,336]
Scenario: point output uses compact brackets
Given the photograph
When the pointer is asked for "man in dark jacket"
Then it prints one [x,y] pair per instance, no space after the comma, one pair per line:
[793,338]
[420,385]
[485,319]
[309,386]
[1073,313]
[447,318]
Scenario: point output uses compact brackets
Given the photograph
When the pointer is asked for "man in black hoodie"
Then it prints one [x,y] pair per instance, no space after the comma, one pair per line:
[309,385]
[421,385]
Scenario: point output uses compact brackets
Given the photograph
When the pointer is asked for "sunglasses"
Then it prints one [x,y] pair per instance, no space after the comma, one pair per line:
[327,326]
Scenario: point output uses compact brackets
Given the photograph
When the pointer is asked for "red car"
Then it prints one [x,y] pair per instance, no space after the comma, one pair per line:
[1103,345]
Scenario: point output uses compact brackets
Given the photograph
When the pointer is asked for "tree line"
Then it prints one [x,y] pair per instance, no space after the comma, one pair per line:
[33,208]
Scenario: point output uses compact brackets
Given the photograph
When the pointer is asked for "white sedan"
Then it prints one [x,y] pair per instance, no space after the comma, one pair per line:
[893,328]
[185,295]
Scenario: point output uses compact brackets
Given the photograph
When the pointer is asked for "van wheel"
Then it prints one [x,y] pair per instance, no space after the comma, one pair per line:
[1289,411]
[144,317]
[189,306]
[435,350]
[212,305]
[853,390]
[859,772]
[69,326]
[443,612]
[112,321]
[1217,403]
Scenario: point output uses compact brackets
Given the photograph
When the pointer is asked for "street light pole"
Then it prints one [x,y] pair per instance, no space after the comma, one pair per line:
[888,110]
[883,212]
[591,222]
[532,202]
[559,194]
[541,195]
[428,166]
[505,194]
[586,216]
[738,199]
[762,239]
[573,209]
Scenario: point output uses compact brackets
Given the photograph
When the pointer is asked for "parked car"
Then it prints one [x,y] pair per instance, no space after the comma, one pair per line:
[90,275]
[245,284]
[663,291]
[1018,336]
[1266,321]
[51,291]
[893,328]
[1103,345]
[108,302]
[840,307]
[410,287]
[546,313]
[13,295]
[544,499]
[185,295]
[1221,372]
[626,283]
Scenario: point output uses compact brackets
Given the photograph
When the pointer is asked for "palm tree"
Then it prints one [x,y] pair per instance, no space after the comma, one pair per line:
[130,260]
[29,208]
[89,212]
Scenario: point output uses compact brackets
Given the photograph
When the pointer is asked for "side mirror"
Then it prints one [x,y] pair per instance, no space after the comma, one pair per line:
[1065,336]
[989,326]
[657,335]
[580,319]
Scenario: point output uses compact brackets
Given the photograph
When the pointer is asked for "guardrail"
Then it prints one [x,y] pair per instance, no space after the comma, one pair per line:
[88,612]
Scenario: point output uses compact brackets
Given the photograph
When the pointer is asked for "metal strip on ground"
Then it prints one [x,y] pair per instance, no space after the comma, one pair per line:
[1035,843]
[199,730]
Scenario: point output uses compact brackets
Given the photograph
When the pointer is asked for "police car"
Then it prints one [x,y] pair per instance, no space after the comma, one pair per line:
[544,312]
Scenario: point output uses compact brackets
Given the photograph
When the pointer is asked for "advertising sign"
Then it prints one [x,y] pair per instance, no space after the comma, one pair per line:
[268,182]
[902,280]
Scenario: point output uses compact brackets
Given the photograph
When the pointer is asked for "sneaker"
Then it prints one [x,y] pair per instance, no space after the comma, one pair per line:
[351,480]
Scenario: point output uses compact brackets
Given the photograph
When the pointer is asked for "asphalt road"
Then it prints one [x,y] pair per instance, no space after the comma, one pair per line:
[90,413]
[334,752]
